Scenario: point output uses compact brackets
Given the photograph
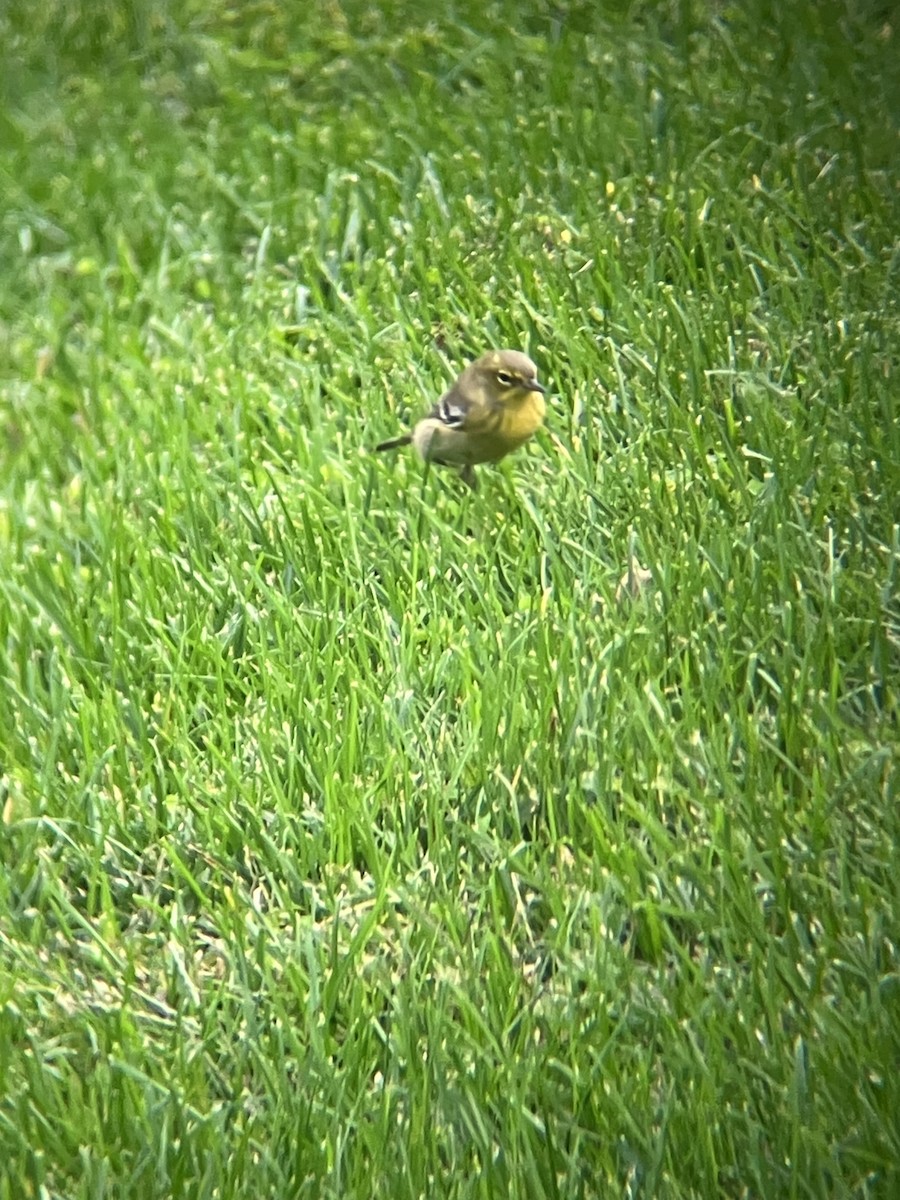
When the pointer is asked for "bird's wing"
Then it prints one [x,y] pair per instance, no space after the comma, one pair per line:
[451,410]
[458,411]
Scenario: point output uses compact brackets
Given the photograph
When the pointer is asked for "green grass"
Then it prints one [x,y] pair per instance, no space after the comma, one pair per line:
[356,841]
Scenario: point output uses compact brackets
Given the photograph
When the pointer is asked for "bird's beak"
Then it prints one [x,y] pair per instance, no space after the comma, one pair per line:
[533,386]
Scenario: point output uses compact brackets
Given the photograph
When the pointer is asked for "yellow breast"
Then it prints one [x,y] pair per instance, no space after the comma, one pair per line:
[523,418]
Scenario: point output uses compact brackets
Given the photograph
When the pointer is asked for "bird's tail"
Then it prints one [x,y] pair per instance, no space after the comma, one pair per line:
[395,443]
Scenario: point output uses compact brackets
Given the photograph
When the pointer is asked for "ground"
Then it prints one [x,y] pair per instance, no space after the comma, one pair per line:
[362,836]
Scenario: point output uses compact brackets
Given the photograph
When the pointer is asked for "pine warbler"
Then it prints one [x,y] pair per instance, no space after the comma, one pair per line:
[494,406]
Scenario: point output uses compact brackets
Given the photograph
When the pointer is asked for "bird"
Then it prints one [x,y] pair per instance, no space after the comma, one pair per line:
[494,406]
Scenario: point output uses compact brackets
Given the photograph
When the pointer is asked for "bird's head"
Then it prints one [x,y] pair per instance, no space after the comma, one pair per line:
[507,376]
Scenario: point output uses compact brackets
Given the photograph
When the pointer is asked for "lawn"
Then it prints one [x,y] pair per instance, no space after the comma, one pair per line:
[358,839]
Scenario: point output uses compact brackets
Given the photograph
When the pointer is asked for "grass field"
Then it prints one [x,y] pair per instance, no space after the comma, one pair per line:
[356,840]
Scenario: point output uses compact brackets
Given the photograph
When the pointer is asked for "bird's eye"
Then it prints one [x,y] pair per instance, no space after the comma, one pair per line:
[505,378]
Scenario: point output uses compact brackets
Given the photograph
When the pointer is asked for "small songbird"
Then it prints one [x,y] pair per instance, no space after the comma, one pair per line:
[494,407]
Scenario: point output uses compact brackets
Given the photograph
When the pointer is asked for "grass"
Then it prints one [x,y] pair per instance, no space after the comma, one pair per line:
[356,840]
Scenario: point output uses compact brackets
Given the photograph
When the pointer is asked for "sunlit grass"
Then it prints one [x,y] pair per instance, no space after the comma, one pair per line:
[358,840]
